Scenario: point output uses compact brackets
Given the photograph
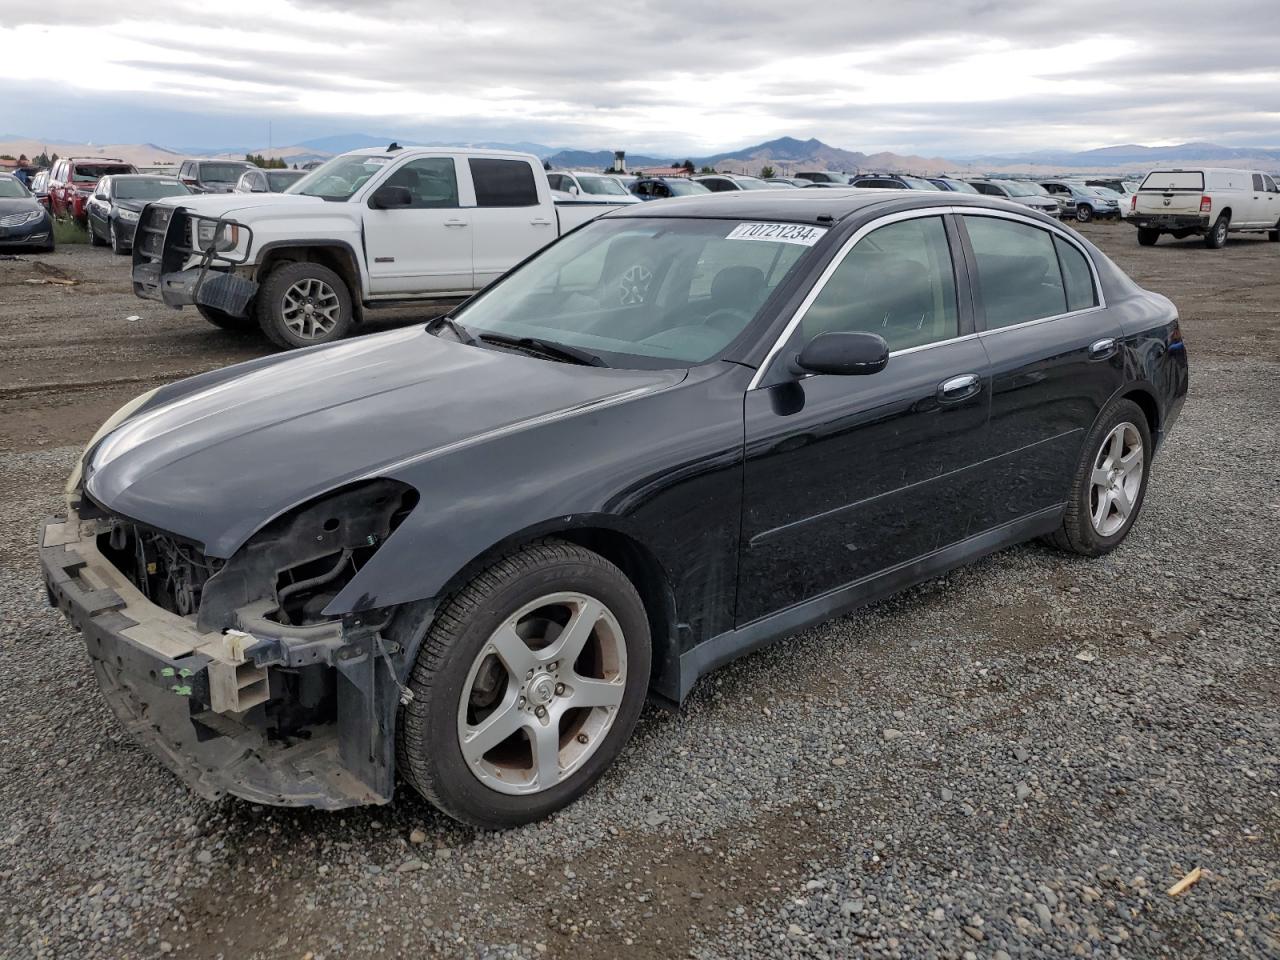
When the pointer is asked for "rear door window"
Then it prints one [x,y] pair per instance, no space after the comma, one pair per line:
[503,183]
[1019,278]
[1173,180]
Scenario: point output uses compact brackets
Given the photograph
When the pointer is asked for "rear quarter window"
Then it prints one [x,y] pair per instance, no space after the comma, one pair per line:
[1173,180]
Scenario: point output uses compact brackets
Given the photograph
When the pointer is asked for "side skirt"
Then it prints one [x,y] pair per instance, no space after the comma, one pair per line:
[729,646]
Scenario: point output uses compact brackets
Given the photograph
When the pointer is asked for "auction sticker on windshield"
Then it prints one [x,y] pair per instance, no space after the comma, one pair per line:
[799,233]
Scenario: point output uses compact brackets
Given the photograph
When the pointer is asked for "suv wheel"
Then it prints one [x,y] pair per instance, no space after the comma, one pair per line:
[1110,482]
[303,304]
[225,321]
[1147,236]
[526,688]
[1084,212]
[1216,238]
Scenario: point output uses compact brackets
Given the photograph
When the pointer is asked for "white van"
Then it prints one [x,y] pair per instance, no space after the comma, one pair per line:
[1207,201]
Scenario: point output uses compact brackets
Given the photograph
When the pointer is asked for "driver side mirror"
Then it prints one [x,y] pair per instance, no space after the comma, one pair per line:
[842,354]
[389,197]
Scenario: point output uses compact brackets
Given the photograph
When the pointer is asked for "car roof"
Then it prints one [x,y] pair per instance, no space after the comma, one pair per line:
[808,206]
[141,176]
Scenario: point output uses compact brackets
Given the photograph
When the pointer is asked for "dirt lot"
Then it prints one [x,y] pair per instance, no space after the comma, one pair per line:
[1015,760]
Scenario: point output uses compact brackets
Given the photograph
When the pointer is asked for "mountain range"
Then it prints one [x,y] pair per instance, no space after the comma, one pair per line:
[785,155]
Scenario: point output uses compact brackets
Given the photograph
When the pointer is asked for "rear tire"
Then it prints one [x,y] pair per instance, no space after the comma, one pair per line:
[1274,235]
[304,304]
[1147,236]
[1109,487]
[225,321]
[464,687]
[1216,238]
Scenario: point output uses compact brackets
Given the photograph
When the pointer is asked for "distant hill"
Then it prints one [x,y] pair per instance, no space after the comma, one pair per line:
[139,154]
[1134,157]
[787,156]
[600,159]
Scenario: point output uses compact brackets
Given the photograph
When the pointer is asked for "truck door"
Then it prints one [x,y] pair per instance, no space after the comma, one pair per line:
[511,220]
[424,248]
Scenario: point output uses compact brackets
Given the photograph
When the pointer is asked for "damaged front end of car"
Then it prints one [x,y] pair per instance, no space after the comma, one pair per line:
[230,671]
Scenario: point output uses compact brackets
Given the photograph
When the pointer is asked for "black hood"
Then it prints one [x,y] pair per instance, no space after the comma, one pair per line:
[12,205]
[215,458]
[134,205]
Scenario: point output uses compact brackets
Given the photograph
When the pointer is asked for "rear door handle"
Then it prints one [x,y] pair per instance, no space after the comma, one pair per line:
[455,223]
[959,388]
[1102,349]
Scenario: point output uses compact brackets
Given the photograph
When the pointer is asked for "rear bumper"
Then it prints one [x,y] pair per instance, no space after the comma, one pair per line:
[1169,221]
[186,696]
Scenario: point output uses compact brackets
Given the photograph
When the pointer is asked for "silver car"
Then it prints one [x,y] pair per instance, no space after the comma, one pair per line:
[1018,192]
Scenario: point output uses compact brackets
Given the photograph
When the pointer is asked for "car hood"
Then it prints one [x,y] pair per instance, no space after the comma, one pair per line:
[216,457]
[134,205]
[228,204]
[12,205]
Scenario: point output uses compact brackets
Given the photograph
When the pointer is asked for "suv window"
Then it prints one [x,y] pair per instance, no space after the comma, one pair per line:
[556,181]
[503,183]
[1076,276]
[1271,185]
[432,182]
[1257,182]
[1018,274]
[898,281]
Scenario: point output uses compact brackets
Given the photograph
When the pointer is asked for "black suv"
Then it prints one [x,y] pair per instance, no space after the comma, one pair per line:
[213,176]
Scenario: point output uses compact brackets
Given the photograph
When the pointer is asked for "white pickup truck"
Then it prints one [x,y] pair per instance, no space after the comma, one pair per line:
[1210,202]
[367,228]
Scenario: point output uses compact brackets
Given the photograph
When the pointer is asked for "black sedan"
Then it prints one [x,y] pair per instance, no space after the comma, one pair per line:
[117,201]
[24,222]
[466,553]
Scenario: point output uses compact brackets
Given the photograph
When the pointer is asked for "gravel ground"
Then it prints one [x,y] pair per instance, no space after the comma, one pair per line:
[1015,760]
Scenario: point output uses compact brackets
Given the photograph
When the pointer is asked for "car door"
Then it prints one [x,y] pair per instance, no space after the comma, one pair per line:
[846,477]
[1272,216]
[425,247]
[98,206]
[511,218]
[1055,358]
[1258,201]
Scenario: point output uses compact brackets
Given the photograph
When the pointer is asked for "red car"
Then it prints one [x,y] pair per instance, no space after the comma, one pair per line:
[71,183]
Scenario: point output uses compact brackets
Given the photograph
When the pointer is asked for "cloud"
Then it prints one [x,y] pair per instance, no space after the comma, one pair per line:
[918,75]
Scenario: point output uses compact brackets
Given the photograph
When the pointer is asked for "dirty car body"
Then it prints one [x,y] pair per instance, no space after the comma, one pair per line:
[255,554]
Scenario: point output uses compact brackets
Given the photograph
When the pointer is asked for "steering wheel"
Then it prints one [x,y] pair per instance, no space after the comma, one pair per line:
[727,319]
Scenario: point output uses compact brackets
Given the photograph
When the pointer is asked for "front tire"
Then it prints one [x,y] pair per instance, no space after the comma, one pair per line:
[526,688]
[1084,212]
[225,321]
[117,246]
[1216,238]
[94,239]
[304,304]
[1110,483]
[1147,236]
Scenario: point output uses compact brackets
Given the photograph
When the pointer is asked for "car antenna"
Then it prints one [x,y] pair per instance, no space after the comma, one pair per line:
[394,147]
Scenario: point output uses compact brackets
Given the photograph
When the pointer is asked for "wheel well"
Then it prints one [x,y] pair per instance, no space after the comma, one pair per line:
[1226,211]
[1149,407]
[336,258]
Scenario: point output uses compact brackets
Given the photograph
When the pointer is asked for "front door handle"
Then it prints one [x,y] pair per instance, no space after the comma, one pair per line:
[540,223]
[959,388]
[455,223]
[1102,349]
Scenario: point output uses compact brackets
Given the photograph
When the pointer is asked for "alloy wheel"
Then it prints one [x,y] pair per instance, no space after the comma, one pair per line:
[310,309]
[1116,479]
[542,694]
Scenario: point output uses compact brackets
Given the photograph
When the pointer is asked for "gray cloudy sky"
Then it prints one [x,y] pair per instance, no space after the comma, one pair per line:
[965,76]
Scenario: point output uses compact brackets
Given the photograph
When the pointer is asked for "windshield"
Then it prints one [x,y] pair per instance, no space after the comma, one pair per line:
[601,185]
[959,186]
[222,172]
[93,172]
[1035,188]
[279,179]
[1015,189]
[11,189]
[148,189]
[644,291]
[684,188]
[339,178]
[916,183]
[1173,180]
[751,183]
[1106,192]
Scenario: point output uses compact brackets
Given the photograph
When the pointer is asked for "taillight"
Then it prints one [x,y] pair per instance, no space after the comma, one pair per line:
[1206,204]
[1133,204]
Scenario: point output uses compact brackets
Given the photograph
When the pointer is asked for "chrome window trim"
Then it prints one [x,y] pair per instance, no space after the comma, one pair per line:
[838,259]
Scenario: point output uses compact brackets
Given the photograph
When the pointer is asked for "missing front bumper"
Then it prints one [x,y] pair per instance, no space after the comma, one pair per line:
[203,703]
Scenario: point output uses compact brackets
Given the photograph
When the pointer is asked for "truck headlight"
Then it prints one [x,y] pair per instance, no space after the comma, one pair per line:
[220,236]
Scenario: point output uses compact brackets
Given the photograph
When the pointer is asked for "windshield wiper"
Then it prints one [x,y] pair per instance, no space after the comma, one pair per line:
[459,331]
[547,348]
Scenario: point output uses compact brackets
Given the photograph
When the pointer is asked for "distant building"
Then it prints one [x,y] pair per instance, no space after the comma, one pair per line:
[660,172]
[9,165]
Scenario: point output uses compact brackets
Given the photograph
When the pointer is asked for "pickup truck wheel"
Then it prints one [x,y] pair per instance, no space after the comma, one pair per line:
[526,688]
[1084,212]
[303,304]
[1147,236]
[1216,238]
[225,321]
